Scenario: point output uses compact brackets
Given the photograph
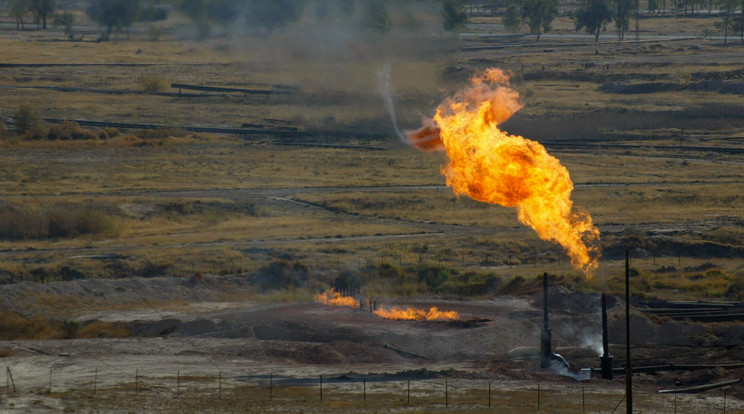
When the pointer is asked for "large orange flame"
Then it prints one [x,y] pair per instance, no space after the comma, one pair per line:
[333,298]
[489,165]
[413,314]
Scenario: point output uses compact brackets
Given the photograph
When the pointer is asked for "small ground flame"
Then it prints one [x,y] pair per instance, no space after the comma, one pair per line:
[413,314]
[333,298]
[488,164]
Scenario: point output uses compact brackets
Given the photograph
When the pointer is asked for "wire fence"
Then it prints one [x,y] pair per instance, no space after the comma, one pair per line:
[199,390]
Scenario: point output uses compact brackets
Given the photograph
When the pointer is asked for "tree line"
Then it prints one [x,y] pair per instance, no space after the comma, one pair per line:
[592,16]
[259,15]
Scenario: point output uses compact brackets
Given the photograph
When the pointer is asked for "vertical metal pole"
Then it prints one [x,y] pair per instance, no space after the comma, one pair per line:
[538,397]
[95,381]
[546,352]
[178,383]
[583,400]
[489,394]
[409,392]
[364,395]
[628,368]
[321,388]
[271,386]
[446,395]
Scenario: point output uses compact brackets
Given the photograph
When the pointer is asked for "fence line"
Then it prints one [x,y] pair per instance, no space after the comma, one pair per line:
[517,396]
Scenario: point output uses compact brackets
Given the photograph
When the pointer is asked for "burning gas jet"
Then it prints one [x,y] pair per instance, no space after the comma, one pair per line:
[413,314]
[333,298]
[487,164]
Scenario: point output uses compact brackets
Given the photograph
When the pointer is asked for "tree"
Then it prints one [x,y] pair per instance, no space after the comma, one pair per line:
[512,21]
[66,20]
[223,12]
[738,25]
[594,17]
[42,8]
[28,121]
[728,10]
[653,5]
[19,10]
[376,17]
[274,13]
[539,15]
[454,15]
[623,10]
[196,10]
[114,14]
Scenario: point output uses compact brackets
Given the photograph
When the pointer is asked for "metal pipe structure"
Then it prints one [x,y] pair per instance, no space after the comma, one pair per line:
[606,358]
[546,353]
[628,367]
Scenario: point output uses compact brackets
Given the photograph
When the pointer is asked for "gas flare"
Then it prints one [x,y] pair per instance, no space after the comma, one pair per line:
[333,298]
[490,165]
[413,314]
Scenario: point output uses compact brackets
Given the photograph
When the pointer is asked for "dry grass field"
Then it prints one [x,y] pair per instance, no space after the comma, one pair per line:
[318,186]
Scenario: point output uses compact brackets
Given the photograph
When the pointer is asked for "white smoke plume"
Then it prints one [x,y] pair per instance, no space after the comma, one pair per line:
[383,88]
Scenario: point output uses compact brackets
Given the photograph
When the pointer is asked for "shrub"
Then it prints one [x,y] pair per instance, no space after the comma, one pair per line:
[153,83]
[161,133]
[14,326]
[69,130]
[28,121]
[735,291]
[59,221]
[433,276]
[100,329]
[109,132]
[471,284]
[154,33]
[281,274]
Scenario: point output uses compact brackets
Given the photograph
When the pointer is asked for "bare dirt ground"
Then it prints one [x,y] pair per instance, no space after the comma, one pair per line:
[233,347]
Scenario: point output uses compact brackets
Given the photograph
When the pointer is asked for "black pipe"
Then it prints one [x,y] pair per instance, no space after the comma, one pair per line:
[606,358]
[546,353]
[628,368]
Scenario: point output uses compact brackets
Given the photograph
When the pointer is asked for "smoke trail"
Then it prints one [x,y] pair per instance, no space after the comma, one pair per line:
[383,88]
